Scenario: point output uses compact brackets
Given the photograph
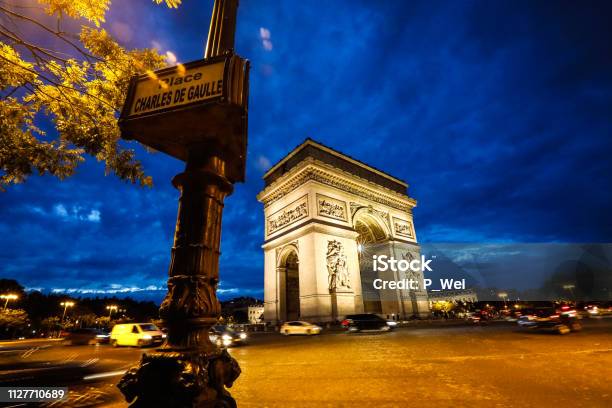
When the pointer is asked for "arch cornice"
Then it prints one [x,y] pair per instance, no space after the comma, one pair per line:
[313,170]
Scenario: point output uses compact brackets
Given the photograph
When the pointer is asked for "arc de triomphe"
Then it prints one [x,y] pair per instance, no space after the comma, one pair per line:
[326,215]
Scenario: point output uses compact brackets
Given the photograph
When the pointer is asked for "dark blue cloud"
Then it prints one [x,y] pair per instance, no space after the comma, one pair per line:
[496,113]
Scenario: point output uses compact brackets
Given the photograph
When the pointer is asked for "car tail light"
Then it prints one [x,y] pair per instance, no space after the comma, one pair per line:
[346,322]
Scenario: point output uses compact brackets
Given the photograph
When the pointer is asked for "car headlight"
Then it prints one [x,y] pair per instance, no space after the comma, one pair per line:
[392,323]
[226,337]
[227,342]
[147,337]
[243,336]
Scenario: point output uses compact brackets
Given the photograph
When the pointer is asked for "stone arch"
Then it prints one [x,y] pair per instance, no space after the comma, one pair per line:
[374,234]
[370,226]
[283,252]
[288,275]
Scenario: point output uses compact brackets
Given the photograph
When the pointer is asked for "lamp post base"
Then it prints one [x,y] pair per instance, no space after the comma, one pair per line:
[181,379]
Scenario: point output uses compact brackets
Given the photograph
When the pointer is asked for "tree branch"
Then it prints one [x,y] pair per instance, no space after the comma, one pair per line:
[58,34]
[38,74]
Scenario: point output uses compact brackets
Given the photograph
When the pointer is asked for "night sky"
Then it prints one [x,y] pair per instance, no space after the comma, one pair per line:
[498,115]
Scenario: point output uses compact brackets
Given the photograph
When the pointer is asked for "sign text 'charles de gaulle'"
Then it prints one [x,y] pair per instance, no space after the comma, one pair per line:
[175,87]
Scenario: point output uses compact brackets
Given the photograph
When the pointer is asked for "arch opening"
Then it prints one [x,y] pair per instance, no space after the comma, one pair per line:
[290,285]
[371,235]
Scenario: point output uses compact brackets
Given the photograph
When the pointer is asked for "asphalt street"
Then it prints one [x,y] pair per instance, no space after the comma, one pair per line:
[477,366]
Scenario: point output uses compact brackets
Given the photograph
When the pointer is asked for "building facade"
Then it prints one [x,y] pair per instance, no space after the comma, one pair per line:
[326,215]
[255,314]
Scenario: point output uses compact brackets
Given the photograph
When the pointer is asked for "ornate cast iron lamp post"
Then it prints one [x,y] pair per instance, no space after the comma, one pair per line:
[197,113]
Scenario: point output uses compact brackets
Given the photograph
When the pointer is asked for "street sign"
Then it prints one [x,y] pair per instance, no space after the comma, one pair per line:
[192,107]
[176,86]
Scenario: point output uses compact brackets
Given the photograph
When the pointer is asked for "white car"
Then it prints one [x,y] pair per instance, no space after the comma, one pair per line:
[299,327]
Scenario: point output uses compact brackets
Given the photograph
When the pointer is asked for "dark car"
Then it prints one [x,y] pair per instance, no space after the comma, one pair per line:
[226,336]
[562,321]
[366,321]
[86,336]
[102,337]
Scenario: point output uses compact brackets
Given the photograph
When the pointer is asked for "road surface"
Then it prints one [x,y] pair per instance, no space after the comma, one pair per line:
[476,366]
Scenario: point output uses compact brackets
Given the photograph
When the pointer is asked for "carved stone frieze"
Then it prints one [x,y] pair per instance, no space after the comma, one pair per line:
[331,207]
[403,228]
[287,216]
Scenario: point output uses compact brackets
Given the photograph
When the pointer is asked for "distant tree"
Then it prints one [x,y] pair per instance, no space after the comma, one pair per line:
[104,321]
[79,83]
[11,286]
[87,320]
[40,305]
[51,325]
[12,320]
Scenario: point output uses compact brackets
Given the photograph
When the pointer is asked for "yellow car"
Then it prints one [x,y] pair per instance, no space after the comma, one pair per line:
[136,334]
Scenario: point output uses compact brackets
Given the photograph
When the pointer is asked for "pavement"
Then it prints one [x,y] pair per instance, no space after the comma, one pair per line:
[496,365]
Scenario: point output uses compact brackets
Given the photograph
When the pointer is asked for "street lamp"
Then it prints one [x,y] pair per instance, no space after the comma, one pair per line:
[504,296]
[7,297]
[571,288]
[110,309]
[66,305]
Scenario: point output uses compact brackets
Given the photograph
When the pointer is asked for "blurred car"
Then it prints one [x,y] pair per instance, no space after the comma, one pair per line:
[598,310]
[103,337]
[478,316]
[136,334]
[526,320]
[79,337]
[560,321]
[366,321]
[299,327]
[225,336]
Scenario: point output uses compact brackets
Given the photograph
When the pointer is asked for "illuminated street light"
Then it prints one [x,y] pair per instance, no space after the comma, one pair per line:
[8,296]
[66,305]
[111,309]
[571,288]
[504,296]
